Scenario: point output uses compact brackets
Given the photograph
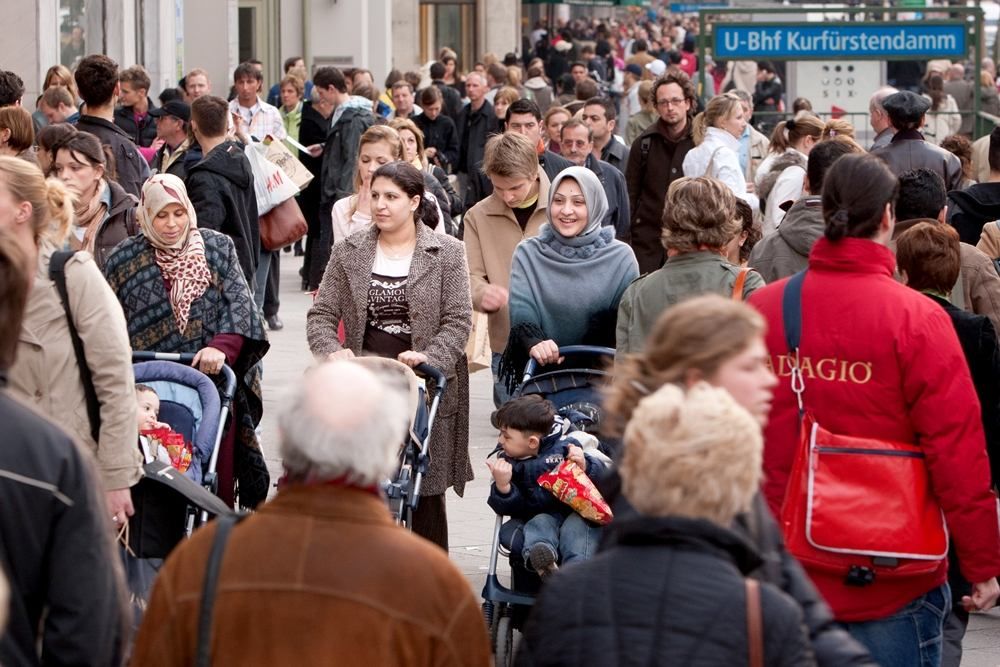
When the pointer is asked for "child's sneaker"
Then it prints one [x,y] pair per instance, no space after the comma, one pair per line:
[542,559]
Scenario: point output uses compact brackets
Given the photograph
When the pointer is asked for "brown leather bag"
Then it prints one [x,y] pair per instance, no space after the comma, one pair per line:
[755,624]
[282,225]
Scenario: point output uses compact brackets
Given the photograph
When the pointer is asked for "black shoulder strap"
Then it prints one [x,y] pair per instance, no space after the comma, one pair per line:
[57,274]
[131,227]
[791,310]
[224,526]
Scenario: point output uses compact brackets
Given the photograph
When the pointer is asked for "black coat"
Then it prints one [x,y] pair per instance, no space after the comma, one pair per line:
[441,134]
[313,130]
[474,128]
[221,190]
[970,210]
[617,194]
[340,155]
[132,169]
[141,134]
[907,151]
[648,175]
[55,549]
[669,591]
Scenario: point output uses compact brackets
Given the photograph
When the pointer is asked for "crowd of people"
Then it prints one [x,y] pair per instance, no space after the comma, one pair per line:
[771,289]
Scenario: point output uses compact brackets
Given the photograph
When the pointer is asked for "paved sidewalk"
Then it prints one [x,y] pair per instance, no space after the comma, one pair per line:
[470,519]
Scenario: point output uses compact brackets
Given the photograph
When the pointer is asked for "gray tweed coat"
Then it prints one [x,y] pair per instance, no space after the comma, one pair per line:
[437,290]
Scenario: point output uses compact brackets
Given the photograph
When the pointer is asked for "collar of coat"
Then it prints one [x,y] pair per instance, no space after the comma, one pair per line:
[494,205]
[329,502]
[689,535]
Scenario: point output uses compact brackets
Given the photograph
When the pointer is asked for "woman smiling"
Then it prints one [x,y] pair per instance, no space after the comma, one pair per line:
[566,282]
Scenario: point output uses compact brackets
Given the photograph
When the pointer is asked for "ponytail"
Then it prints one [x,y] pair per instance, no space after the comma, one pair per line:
[60,209]
[427,211]
[855,192]
[779,139]
[698,128]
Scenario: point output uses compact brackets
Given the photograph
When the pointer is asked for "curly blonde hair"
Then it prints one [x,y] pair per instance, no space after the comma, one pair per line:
[699,212]
[695,454]
[697,335]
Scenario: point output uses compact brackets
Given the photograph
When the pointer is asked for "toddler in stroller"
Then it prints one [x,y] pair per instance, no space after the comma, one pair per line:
[534,440]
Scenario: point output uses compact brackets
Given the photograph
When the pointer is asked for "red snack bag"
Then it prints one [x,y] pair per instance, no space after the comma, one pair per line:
[570,484]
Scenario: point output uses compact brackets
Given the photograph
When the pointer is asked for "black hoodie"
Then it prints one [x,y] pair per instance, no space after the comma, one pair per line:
[221,190]
[969,210]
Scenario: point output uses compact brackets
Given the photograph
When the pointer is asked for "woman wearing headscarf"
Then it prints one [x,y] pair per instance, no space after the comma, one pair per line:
[565,283]
[182,290]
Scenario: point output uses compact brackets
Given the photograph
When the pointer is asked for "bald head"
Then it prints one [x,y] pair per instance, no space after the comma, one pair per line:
[878,117]
[343,421]
[956,72]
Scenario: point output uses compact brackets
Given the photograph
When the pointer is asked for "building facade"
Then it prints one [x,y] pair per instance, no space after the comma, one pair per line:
[170,37]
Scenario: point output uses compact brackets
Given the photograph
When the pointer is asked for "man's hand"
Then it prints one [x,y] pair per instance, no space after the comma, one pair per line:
[120,506]
[411,358]
[430,152]
[340,355]
[546,352]
[209,360]
[575,454]
[984,596]
[315,150]
[494,298]
[502,473]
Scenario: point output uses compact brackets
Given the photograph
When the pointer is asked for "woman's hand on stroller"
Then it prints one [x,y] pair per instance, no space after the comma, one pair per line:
[411,358]
[546,352]
[209,360]
[340,355]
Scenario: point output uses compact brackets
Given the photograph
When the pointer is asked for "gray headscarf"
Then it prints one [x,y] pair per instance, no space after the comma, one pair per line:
[593,194]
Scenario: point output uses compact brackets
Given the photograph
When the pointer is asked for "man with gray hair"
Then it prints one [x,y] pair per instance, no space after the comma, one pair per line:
[879,119]
[321,574]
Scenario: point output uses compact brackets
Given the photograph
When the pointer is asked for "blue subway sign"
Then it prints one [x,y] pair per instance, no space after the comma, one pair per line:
[857,41]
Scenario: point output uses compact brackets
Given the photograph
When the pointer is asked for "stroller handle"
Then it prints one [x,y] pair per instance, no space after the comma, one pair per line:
[188,358]
[429,371]
[596,350]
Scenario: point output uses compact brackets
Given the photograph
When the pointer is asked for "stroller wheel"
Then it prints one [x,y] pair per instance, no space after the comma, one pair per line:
[490,618]
[504,644]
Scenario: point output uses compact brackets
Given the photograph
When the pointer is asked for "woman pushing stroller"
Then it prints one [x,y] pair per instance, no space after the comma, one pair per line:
[182,290]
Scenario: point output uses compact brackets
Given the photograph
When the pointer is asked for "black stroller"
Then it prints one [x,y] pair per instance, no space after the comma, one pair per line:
[169,505]
[403,490]
[574,389]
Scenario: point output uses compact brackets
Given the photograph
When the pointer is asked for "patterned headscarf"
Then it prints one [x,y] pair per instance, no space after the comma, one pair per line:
[182,262]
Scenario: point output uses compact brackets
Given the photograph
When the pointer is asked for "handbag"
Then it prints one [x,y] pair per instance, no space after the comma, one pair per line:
[283,225]
[856,506]
[477,350]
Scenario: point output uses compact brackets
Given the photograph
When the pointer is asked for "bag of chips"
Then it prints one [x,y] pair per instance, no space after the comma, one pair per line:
[570,485]
[178,451]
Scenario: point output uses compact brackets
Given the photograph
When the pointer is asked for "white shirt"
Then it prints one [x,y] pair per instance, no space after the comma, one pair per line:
[260,120]
[765,166]
[788,187]
[718,156]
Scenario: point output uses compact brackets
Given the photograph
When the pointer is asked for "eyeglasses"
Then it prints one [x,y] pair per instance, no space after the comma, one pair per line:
[672,102]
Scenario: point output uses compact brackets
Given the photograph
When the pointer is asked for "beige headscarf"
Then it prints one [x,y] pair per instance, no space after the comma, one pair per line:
[182,262]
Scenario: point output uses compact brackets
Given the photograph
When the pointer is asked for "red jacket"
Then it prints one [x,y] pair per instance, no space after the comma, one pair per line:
[880,360]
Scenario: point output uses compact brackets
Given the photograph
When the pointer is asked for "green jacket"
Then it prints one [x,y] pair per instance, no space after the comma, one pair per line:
[681,277]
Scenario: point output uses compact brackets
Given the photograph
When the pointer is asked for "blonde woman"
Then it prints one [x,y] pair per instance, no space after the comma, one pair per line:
[782,173]
[504,98]
[717,133]
[438,184]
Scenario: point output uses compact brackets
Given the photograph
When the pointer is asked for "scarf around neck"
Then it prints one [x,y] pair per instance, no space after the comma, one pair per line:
[88,214]
[182,263]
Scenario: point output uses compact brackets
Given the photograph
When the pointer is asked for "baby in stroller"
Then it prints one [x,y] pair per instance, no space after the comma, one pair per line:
[157,440]
[534,440]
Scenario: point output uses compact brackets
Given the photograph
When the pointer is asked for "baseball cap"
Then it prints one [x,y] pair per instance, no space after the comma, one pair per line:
[657,67]
[634,69]
[174,108]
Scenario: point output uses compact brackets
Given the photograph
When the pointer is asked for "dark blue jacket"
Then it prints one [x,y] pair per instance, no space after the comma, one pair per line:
[526,498]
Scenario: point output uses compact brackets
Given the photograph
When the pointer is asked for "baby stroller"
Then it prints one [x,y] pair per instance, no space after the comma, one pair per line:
[169,505]
[574,389]
[403,489]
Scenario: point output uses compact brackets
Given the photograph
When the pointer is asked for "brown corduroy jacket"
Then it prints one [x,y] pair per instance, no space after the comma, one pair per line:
[319,576]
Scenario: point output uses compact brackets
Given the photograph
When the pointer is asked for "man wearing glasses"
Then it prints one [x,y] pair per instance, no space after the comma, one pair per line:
[655,161]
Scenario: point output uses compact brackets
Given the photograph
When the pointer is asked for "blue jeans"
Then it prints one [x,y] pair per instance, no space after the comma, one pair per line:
[912,637]
[500,393]
[260,278]
[572,538]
